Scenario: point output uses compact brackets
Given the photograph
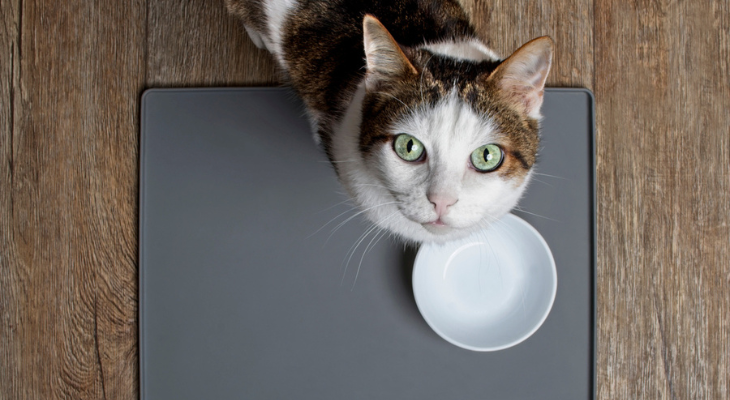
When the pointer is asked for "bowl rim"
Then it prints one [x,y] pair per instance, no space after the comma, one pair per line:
[554,289]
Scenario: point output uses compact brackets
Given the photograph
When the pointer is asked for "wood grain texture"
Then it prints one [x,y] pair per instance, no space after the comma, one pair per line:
[663,199]
[71,75]
[12,308]
[69,248]
[196,43]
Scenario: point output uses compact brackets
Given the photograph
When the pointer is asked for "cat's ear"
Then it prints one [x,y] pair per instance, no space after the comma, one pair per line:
[386,61]
[521,77]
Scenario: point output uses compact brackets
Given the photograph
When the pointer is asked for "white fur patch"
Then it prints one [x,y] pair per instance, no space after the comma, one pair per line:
[277,11]
[472,50]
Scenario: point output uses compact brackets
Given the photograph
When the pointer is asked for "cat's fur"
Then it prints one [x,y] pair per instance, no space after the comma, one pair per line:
[427,74]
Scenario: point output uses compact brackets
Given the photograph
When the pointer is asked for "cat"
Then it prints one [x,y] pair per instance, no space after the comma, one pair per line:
[429,131]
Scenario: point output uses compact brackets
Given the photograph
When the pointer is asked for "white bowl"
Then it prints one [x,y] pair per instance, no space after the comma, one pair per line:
[489,291]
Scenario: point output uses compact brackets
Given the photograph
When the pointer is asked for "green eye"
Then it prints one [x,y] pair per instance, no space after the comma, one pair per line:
[487,158]
[408,148]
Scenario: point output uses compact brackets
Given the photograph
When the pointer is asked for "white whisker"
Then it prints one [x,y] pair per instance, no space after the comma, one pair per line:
[543,182]
[332,220]
[352,250]
[520,209]
[341,224]
[551,176]
[341,161]
[381,233]
[334,205]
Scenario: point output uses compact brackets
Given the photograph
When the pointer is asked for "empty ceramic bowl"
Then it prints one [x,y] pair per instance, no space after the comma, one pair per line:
[489,291]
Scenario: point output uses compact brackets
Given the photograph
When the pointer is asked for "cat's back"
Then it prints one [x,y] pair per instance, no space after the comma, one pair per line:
[312,28]
[411,22]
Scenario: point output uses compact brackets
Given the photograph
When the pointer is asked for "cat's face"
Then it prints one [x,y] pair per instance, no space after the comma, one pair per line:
[441,146]
[442,194]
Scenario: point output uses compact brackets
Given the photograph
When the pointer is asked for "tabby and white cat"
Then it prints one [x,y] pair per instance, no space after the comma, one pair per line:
[429,131]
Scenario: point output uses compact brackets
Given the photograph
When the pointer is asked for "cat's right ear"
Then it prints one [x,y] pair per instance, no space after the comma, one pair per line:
[521,77]
[386,62]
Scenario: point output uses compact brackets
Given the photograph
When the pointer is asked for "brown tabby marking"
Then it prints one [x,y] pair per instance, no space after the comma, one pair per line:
[250,11]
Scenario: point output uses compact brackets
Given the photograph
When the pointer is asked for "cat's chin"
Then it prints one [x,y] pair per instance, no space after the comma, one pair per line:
[443,234]
[430,233]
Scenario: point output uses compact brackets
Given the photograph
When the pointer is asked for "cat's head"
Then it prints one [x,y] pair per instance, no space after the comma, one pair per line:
[446,137]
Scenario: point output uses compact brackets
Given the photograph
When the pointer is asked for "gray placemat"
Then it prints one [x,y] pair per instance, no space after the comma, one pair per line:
[245,293]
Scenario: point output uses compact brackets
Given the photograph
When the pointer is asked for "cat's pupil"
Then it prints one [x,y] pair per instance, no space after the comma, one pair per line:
[487,155]
[409,146]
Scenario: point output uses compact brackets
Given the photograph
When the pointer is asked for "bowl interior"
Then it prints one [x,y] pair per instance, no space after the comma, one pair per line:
[489,291]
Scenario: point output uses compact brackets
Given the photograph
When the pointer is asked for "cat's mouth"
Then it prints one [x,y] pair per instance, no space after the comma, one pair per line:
[438,227]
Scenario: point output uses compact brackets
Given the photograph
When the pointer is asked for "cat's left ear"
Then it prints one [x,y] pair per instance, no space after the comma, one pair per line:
[521,77]
[386,62]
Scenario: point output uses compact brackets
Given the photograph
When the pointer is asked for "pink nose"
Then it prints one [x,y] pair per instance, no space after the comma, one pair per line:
[442,202]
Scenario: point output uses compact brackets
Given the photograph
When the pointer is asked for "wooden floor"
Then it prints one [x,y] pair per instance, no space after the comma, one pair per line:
[71,75]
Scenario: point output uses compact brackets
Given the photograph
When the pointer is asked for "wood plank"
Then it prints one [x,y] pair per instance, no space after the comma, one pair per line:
[663,199]
[70,227]
[11,307]
[196,43]
[505,25]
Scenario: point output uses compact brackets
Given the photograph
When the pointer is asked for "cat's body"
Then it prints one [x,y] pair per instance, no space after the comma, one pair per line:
[403,117]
